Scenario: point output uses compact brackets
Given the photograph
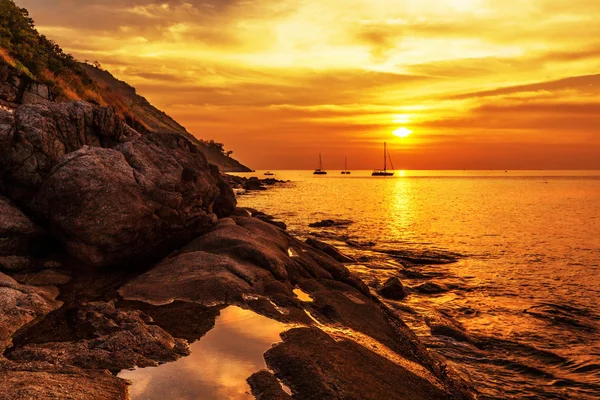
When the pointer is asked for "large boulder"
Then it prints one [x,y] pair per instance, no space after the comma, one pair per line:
[35,137]
[109,194]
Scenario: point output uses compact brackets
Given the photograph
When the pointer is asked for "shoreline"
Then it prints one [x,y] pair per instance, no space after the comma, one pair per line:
[110,245]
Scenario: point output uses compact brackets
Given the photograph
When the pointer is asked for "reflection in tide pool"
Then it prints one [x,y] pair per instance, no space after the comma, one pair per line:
[219,363]
[303,296]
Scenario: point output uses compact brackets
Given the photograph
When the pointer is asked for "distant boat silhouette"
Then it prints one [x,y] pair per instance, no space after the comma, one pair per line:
[384,171]
[320,170]
[345,171]
[269,173]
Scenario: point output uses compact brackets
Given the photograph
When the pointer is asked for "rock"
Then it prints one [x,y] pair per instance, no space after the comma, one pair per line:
[430,288]
[329,223]
[329,250]
[225,204]
[354,243]
[100,187]
[16,87]
[21,304]
[112,339]
[253,184]
[312,363]
[443,325]
[279,224]
[20,239]
[423,257]
[393,289]
[43,277]
[70,384]
[36,137]
[265,386]
[239,256]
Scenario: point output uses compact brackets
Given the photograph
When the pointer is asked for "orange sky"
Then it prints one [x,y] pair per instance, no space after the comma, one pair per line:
[503,84]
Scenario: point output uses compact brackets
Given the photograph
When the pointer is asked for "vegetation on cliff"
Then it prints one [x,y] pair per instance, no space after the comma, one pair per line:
[24,48]
[42,60]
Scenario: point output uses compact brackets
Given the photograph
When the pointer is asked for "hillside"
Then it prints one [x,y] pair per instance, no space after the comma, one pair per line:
[148,117]
[34,69]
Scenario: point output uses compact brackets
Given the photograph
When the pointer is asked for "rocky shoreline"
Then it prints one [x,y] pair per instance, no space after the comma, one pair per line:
[109,239]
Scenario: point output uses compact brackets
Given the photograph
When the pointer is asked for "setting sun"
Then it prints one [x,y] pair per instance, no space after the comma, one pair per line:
[402,132]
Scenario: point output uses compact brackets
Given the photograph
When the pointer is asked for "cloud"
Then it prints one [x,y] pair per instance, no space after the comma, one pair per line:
[259,74]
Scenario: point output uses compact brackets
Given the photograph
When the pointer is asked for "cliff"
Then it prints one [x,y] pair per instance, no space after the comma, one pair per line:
[144,116]
[35,70]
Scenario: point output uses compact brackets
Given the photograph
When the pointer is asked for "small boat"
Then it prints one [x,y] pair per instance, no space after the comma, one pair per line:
[269,173]
[320,170]
[345,171]
[384,171]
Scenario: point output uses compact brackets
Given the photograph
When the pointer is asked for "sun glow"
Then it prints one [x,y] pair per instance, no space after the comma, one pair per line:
[402,132]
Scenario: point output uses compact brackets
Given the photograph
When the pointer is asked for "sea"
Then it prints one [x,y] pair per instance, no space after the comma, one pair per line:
[520,307]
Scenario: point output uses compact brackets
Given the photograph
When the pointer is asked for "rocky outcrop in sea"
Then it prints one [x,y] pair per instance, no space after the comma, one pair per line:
[119,250]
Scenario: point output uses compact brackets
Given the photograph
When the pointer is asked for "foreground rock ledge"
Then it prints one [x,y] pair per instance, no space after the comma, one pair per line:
[347,344]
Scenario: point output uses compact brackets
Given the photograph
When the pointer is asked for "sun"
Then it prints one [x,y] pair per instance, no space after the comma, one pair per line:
[402,132]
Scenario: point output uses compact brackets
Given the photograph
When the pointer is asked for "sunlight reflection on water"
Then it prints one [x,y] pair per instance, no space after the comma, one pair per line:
[527,287]
[219,363]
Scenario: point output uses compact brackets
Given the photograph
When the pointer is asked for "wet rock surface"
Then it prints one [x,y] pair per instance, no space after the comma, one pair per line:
[329,250]
[393,289]
[251,184]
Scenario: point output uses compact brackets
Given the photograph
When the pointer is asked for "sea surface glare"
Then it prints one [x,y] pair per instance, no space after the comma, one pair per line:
[518,314]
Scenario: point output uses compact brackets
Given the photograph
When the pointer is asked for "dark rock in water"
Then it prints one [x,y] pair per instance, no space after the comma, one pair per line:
[354,243]
[250,184]
[443,325]
[265,386]
[423,257]
[251,212]
[565,315]
[107,193]
[430,288]
[410,274]
[329,223]
[315,364]
[254,184]
[281,225]
[329,250]
[393,289]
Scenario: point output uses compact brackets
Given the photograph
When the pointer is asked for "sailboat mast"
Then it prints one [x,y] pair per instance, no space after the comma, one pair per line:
[345,163]
[384,156]
[320,162]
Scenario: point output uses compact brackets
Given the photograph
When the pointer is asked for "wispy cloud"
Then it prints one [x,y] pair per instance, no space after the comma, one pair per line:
[474,79]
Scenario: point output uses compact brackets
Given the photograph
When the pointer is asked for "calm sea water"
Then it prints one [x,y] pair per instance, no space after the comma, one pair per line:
[526,289]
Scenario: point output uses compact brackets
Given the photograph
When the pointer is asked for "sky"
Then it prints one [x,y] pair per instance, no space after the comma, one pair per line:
[476,84]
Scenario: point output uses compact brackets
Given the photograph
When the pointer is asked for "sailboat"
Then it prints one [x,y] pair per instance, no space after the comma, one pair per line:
[384,171]
[320,170]
[345,171]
